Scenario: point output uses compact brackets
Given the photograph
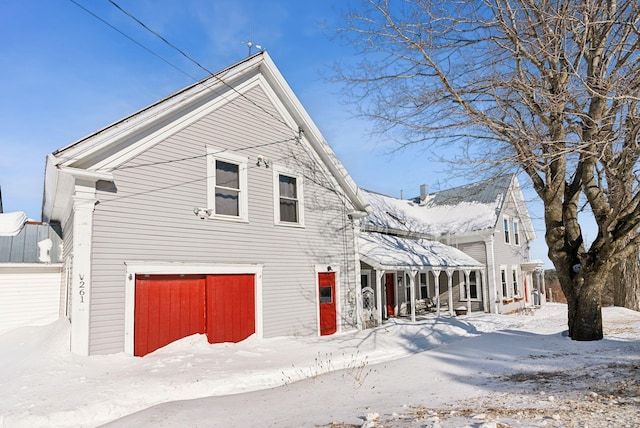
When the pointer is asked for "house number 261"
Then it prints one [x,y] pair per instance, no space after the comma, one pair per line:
[81,287]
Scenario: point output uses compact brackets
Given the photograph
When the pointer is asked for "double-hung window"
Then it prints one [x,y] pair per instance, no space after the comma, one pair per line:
[288,198]
[505,289]
[516,287]
[471,285]
[505,223]
[227,185]
[516,233]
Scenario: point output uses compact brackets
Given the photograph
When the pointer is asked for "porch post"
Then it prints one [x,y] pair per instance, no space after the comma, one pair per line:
[412,293]
[485,298]
[379,276]
[436,278]
[467,285]
[450,290]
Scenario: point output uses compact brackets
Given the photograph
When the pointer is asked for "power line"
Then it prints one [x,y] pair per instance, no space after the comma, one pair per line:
[188,57]
[133,40]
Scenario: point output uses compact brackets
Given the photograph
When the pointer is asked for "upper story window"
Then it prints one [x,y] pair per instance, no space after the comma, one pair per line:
[227,185]
[288,198]
[516,233]
[505,223]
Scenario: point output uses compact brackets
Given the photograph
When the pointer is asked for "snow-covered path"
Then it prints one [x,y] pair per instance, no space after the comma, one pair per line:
[395,369]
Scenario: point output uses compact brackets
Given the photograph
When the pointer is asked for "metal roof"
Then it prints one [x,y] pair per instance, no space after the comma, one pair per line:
[484,192]
[23,247]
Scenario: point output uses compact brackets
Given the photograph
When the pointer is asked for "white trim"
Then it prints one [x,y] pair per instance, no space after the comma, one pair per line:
[84,201]
[277,171]
[38,266]
[167,268]
[214,154]
[504,285]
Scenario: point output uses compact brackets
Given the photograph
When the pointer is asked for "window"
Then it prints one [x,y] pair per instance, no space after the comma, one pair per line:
[505,290]
[424,285]
[473,287]
[227,185]
[514,272]
[516,233]
[326,294]
[288,201]
[365,279]
[505,223]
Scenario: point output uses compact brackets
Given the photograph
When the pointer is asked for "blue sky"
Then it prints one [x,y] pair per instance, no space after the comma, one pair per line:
[65,74]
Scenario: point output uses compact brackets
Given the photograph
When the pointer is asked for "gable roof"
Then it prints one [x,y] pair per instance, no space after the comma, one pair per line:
[96,156]
[464,210]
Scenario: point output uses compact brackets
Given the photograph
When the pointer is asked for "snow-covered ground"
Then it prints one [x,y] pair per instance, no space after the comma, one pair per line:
[479,370]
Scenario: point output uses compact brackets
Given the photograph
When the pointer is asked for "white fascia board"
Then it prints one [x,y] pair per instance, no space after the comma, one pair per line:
[313,135]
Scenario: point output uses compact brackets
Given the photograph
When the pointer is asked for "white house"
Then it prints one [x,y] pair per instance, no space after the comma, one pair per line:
[488,221]
[219,210]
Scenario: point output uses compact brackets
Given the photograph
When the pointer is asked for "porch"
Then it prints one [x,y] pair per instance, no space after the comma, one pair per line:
[403,277]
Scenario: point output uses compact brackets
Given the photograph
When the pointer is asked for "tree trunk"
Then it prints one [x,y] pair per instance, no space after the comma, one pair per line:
[584,307]
[623,285]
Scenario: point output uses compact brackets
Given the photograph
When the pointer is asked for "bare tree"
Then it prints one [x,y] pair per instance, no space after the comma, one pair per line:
[549,87]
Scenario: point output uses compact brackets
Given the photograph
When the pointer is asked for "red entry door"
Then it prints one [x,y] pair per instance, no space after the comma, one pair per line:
[231,308]
[327,293]
[390,289]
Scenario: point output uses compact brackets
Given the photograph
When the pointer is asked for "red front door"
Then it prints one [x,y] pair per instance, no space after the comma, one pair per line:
[327,293]
[390,293]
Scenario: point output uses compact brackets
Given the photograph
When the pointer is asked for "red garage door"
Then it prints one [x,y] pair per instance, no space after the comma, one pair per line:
[230,308]
[170,307]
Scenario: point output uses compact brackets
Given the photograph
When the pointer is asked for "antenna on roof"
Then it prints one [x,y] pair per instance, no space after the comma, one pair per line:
[250,43]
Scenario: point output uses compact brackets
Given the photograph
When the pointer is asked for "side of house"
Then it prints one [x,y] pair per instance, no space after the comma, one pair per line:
[219,210]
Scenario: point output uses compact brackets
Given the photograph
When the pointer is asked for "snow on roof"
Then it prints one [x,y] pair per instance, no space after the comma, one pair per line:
[392,252]
[431,218]
[12,223]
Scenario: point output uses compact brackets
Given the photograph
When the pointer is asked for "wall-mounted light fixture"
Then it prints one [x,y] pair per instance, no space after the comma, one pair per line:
[263,161]
[202,213]
[329,269]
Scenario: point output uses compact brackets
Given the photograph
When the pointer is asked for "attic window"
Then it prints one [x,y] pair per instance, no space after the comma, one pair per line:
[396,218]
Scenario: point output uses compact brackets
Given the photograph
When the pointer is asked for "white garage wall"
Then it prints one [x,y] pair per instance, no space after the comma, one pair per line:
[29,295]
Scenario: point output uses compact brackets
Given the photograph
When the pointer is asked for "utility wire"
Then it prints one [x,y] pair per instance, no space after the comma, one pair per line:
[133,40]
[183,53]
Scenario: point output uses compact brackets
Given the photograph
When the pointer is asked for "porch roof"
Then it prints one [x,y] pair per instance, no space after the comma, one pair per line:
[394,253]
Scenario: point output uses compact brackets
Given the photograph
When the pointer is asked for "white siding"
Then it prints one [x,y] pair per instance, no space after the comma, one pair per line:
[29,296]
[150,217]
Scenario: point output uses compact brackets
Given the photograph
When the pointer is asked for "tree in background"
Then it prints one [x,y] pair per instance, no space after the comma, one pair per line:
[549,87]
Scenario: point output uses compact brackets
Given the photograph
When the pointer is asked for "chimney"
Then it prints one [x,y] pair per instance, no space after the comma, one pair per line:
[424,192]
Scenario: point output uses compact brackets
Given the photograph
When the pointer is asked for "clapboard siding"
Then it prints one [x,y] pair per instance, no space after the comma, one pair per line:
[150,217]
[29,296]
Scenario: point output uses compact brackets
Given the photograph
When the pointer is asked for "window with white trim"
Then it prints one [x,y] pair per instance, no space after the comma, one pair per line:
[227,185]
[288,201]
[503,277]
[424,285]
[505,224]
[472,285]
[514,277]
[516,233]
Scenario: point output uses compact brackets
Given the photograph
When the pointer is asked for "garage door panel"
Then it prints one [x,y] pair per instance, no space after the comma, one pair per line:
[230,308]
[167,308]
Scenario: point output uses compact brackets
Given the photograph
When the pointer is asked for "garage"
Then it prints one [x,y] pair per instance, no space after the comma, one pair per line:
[170,307]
